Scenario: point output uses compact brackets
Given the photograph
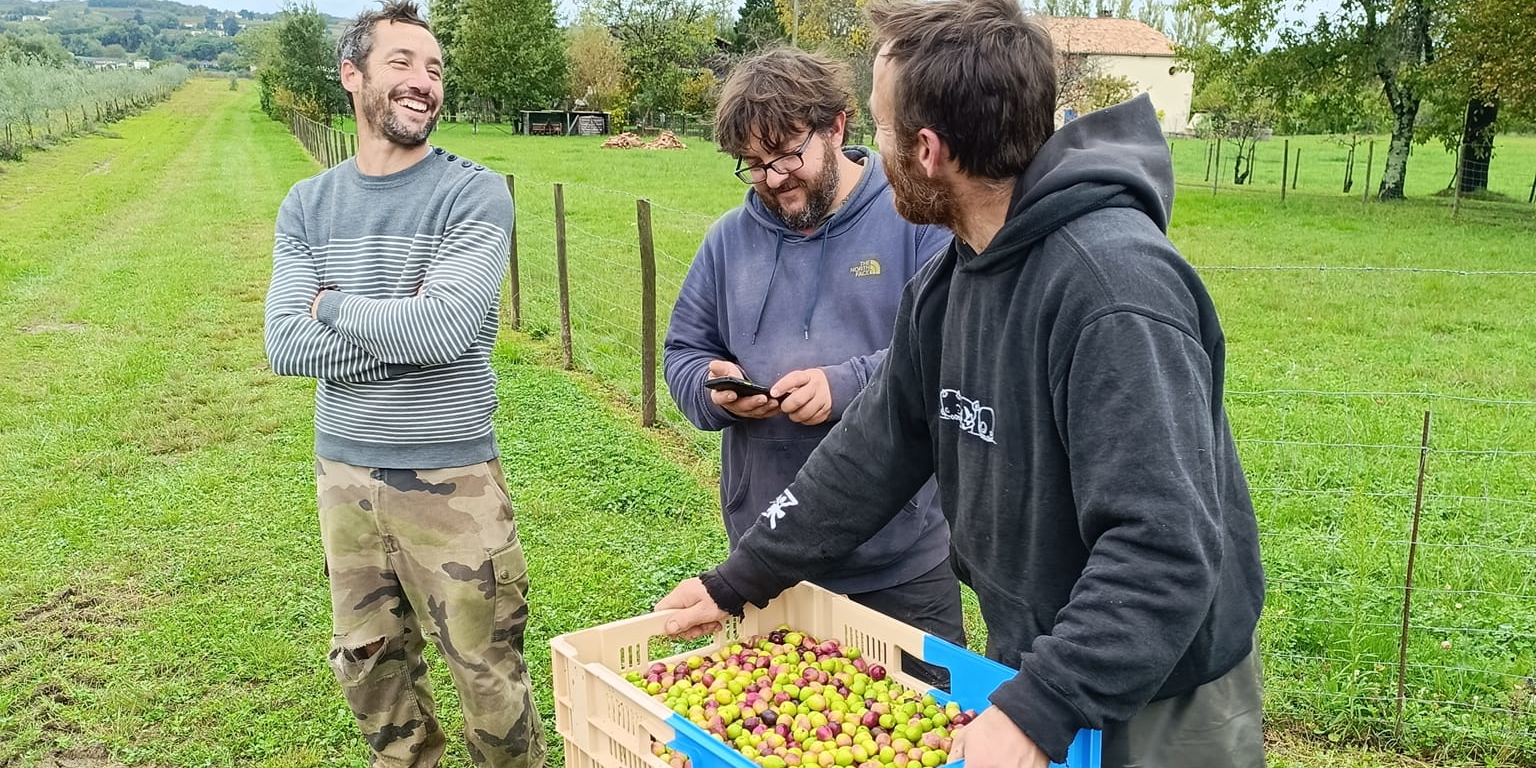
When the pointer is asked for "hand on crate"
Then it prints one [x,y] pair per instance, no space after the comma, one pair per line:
[993,741]
[697,615]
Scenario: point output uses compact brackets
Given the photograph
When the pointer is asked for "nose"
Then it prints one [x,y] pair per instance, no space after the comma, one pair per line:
[774,179]
[421,80]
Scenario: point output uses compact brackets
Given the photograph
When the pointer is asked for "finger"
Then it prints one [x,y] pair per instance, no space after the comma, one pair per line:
[789,382]
[692,622]
[796,399]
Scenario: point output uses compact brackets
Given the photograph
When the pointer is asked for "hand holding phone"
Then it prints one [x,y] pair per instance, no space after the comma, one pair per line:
[730,389]
[740,386]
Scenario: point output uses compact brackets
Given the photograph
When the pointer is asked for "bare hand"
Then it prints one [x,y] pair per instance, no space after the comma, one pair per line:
[314,306]
[751,407]
[809,401]
[993,741]
[697,614]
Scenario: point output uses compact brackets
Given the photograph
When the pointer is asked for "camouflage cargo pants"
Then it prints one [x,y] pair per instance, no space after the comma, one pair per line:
[418,555]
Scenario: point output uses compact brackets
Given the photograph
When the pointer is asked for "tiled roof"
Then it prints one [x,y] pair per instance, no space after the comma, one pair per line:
[1108,36]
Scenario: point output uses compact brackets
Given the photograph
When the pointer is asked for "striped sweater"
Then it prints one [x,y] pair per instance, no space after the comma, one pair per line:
[411,264]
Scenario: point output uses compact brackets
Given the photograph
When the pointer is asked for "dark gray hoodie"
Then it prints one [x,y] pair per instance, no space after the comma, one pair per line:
[1065,385]
[775,300]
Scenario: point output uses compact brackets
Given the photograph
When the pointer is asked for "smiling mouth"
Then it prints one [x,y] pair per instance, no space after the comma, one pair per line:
[415,105]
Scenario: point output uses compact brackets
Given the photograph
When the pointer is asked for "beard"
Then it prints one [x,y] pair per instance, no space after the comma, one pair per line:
[379,108]
[919,199]
[820,194]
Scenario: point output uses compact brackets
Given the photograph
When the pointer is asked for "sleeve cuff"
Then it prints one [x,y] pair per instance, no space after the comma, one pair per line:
[1046,716]
[844,386]
[729,600]
[330,306]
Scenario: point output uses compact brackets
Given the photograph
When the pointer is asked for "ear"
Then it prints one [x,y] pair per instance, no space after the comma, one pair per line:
[351,77]
[839,124]
[931,153]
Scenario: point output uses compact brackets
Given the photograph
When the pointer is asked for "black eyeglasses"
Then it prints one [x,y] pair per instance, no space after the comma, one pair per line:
[783,164]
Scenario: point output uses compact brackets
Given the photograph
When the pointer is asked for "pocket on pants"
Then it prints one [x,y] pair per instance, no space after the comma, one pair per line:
[510,568]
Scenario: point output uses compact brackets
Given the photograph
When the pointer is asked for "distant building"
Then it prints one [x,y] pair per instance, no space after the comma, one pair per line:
[97,62]
[1130,49]
[141,63]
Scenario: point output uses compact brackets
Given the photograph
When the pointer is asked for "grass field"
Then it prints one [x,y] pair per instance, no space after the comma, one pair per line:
[161,592]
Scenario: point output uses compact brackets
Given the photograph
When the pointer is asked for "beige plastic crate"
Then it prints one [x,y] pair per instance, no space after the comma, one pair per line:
[607,722]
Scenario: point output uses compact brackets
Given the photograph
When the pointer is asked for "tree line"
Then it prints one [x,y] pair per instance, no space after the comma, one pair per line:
[1453,71]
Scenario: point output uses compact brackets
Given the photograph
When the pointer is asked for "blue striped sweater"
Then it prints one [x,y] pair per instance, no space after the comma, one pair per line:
[401,341]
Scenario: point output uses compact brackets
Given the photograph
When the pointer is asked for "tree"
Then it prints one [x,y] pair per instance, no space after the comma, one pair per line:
[835,25]
[511,55]
[34,48]
[1185,25]
[447,17]
[758,26]
[296,66]
[231,26]
[1484,70]
[596,65]
[665,43]
[1391,39]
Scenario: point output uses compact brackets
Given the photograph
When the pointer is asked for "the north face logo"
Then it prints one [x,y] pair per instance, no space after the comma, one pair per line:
[975,418]
[775,511]
[865,268]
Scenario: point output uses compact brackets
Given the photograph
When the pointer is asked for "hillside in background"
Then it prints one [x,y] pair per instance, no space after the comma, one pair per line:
[104,32]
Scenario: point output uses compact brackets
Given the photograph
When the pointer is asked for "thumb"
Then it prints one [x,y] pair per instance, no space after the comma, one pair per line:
[957,747]
[691,622]
[723,368]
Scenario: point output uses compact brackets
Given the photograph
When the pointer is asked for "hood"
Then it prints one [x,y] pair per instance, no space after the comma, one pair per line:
[1112,158]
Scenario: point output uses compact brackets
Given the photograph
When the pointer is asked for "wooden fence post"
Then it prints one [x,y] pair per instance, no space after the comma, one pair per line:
[1370,159]
[647,314]
[1413,551]
[560,268]
[514,284]
[1216,177]
[1285,168]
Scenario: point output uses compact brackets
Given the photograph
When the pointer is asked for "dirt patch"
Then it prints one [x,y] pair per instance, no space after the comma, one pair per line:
[55,328]
[93,756]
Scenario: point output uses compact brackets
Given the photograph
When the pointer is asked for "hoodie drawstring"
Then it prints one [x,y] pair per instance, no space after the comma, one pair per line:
[777,249]
[810,308]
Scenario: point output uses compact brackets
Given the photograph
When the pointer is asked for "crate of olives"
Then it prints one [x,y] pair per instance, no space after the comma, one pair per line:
[813,680]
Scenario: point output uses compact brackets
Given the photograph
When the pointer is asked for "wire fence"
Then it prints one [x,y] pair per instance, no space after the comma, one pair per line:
[1398,528]
[1475,184]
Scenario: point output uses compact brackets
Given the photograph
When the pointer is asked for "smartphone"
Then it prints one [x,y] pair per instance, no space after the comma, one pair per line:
[741,387]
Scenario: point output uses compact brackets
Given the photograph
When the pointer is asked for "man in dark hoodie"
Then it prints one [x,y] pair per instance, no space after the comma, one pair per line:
[1060,368]
[797,288]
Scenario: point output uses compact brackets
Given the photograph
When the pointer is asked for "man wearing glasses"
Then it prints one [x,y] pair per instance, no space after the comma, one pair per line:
[797,289]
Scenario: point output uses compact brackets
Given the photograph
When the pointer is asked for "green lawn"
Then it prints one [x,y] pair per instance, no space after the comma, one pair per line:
[161,590]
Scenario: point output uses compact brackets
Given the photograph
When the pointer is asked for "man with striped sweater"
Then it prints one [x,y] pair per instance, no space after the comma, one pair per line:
[386,276]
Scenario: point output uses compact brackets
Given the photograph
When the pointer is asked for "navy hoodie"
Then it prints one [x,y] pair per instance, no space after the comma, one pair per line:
[1065,385]
[774,300]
